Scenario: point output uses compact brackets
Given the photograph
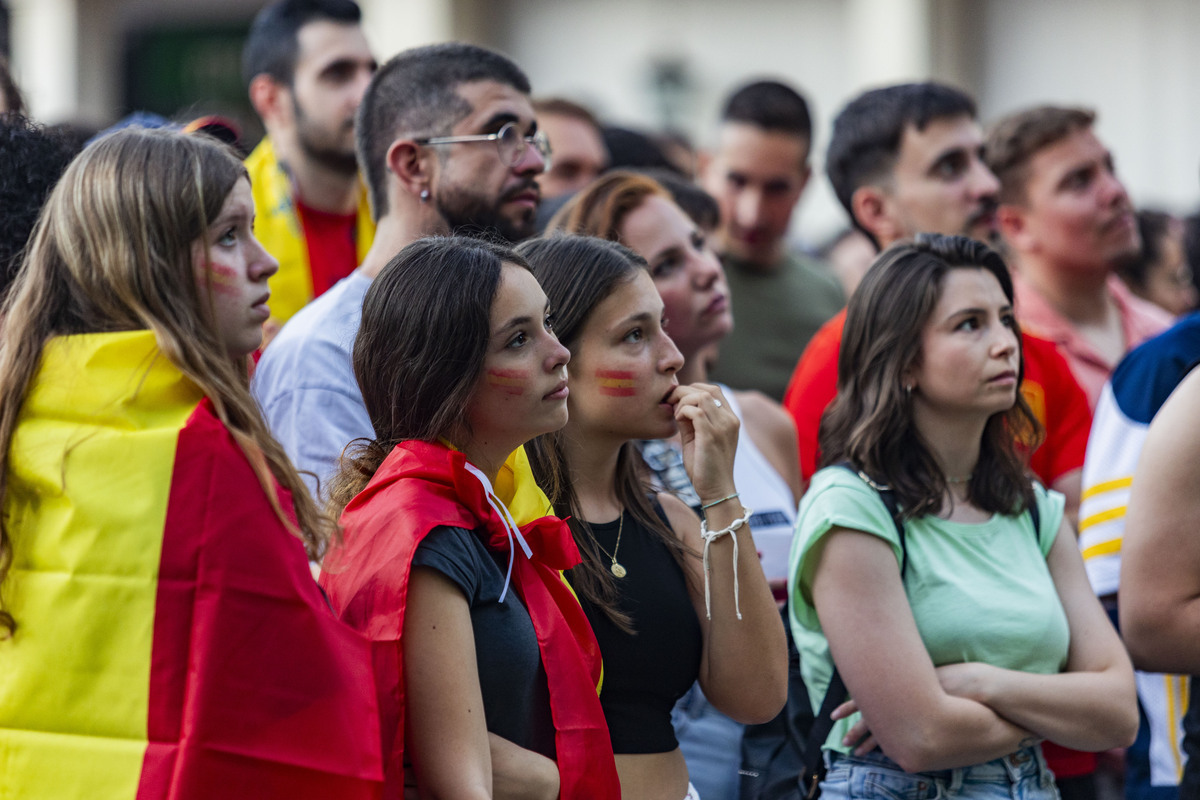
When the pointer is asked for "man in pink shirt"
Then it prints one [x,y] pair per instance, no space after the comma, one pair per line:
[1068,223]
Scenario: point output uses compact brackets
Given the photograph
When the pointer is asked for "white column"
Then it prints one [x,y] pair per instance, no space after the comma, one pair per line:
[44,48]
[889,41]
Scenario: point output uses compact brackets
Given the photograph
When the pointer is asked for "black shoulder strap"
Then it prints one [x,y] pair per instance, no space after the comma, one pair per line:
[836,693]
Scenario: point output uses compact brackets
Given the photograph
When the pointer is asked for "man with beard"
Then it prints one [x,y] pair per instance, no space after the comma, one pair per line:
[448,144]
[307,63]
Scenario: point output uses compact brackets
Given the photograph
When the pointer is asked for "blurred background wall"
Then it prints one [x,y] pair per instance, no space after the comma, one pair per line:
[667,64]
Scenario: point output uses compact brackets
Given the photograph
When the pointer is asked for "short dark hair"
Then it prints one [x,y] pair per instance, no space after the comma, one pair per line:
[419,351]
[415,94]
[32,159]
[867,133]
[272,43]
[870,423]
[770,105]
[1153,227]
[1014,140]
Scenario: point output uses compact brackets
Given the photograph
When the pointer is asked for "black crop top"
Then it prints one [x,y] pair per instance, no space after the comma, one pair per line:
[645,674]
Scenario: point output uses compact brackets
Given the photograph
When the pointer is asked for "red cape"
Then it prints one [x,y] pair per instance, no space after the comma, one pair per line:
[421,486]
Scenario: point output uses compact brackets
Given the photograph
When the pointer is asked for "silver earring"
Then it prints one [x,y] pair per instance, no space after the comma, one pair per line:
[908,391]
[424,195]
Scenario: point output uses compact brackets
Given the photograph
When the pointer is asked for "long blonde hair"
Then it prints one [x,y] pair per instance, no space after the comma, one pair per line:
[112,251]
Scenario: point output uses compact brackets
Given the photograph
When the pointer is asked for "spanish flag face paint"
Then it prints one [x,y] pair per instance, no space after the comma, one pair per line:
[508,381]
[615,383]
[231,270]
[624,364]
[522,392]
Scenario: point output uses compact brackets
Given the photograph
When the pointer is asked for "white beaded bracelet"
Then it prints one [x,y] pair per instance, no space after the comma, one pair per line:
[710,537]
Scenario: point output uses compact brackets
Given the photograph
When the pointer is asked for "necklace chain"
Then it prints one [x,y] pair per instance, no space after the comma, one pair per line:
[615,567]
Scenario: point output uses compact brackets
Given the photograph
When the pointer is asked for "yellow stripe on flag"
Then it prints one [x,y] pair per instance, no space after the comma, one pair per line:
[90,474]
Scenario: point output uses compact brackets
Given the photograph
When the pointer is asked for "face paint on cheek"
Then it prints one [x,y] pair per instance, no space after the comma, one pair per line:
[224,279]
[616,383]
[508,381]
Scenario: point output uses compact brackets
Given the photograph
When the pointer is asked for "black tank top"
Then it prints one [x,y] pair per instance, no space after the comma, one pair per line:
[646,673]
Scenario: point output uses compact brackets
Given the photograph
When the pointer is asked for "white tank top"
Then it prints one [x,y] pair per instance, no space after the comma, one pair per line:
[763,489]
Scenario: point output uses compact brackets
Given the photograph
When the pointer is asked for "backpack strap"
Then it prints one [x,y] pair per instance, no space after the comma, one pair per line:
[814,764]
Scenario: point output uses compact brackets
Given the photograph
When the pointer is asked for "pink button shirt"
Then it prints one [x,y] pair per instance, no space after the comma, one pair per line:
[1140,320]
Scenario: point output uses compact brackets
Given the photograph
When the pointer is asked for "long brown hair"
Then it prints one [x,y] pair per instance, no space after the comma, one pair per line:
[112,251]
[870,422]
[578,273]
[420,347]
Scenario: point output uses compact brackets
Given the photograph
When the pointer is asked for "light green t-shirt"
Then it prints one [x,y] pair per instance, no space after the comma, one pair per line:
[979,592]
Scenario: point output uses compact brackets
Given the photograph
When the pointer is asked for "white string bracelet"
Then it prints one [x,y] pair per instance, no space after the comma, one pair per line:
[710,537]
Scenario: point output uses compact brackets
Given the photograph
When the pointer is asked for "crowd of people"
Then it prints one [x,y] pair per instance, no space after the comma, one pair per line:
[317,461]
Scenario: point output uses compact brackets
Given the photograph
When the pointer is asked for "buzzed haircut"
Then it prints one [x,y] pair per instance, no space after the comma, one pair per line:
[415,95]
[273,42]
[772,106]
[867,133]
[562,107]
[1015,139]
[32,159]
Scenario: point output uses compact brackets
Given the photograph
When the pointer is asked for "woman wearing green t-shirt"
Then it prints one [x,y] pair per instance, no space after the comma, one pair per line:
[978,636]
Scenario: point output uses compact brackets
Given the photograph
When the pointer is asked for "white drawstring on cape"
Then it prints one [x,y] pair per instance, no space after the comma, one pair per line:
[510,525]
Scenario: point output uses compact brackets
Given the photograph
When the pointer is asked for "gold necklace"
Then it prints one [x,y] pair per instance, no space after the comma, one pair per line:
[615,568]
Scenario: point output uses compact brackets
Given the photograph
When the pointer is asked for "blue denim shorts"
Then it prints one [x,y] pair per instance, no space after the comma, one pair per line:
[1022,775]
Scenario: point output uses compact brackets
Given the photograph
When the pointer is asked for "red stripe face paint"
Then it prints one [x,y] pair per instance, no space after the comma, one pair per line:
[224,279]
[508,381]
[615,383]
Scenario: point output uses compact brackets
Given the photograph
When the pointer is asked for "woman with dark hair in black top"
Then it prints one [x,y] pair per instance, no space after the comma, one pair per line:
[671,599]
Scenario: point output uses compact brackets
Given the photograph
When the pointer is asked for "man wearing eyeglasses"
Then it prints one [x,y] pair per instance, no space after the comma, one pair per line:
[447,142]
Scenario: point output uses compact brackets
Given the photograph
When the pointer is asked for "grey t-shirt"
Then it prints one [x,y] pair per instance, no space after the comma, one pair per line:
[516,699]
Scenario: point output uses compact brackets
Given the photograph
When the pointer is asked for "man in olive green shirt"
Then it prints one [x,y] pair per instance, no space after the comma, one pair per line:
[757,173]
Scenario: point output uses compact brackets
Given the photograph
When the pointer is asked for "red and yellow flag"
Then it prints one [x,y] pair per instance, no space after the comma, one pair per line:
[171,642]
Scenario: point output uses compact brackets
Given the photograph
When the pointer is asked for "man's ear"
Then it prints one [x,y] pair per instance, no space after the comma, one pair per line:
[412,166]
[270,98]
[1013,223]
[871,207]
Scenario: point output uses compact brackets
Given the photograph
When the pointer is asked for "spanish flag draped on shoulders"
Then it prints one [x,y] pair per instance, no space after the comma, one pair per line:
[277,228]
[421,486]
[170,641]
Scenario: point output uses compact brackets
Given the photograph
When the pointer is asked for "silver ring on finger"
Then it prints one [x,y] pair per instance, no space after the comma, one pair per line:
[718,402]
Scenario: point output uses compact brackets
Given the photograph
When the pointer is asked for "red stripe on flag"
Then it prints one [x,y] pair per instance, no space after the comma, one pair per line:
[256,690]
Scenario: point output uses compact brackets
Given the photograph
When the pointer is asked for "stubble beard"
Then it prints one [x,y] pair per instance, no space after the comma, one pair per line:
[468,213]
[315,144]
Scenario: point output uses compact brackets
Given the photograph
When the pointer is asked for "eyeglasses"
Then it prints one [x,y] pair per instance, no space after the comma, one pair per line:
[510,144]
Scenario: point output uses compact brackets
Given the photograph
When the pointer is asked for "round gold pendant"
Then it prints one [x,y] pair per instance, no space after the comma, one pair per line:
[617,570]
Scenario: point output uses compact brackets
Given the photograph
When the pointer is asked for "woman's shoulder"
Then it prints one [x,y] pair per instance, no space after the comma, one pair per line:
[840,497]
